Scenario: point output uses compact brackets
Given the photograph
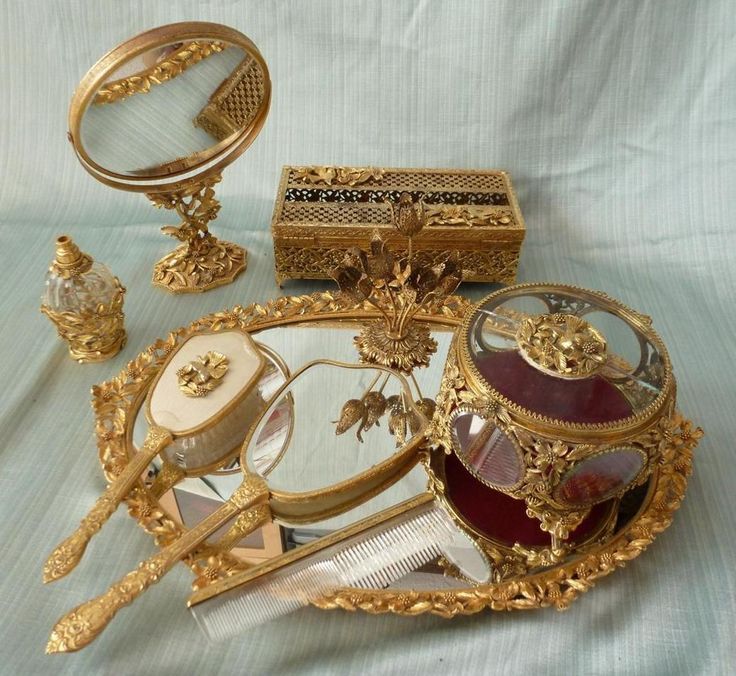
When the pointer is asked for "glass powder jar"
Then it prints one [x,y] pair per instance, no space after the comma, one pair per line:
[554,404]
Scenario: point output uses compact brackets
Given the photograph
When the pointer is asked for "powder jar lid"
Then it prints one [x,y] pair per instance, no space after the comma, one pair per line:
[566,361]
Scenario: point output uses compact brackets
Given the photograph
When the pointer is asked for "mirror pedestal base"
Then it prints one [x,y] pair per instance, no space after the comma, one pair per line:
[202,262]
[213,263]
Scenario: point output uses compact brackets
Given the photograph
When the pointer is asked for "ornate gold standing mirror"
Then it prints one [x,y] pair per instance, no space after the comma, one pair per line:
[164,113]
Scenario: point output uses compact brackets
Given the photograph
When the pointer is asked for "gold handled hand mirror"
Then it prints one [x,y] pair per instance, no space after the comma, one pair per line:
[198,411]
[216,460]
[164,113]
[308,480]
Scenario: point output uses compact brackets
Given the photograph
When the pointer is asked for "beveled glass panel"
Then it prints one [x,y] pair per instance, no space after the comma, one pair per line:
[600,477]
[486,449]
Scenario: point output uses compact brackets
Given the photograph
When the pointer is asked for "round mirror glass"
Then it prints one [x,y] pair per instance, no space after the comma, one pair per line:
[172,107]
[334,438]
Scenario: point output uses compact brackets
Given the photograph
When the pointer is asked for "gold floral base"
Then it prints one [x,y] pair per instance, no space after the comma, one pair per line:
[102,352]
[188,270]
[92,336]
[410,351]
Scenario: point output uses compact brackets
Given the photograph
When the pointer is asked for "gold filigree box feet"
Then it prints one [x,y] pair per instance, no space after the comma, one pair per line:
[321,212]
[192,271]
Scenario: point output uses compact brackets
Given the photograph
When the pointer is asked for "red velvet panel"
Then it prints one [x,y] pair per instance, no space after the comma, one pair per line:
[589,400]
[500,516]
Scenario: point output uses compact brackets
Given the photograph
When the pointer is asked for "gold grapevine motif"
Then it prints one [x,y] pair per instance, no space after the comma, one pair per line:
[562,344]
[202,375]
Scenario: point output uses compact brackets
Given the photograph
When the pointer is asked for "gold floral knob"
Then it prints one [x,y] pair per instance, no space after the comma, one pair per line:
[562,345]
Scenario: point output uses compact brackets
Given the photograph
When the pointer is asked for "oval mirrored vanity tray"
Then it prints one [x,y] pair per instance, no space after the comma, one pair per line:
[303,328]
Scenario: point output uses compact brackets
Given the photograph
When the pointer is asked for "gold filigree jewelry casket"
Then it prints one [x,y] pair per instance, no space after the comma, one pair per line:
[556,403]
[321,212]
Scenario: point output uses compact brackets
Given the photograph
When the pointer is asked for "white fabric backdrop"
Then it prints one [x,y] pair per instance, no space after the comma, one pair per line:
[617,121]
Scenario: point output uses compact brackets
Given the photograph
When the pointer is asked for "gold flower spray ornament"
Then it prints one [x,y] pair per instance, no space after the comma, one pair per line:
[409,217]
[562,345]
[398,288]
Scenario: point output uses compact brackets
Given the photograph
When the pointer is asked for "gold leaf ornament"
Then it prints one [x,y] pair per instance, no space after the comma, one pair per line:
[352,411]
[203,374]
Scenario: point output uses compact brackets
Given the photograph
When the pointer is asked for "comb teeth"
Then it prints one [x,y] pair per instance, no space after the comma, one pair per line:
[376,560]
[265,600]
[387,556]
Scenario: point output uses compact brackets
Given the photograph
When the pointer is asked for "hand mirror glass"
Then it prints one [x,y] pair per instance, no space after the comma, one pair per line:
[163,113]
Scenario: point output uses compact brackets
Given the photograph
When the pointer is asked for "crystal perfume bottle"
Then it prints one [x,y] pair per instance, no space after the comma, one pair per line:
[85,302]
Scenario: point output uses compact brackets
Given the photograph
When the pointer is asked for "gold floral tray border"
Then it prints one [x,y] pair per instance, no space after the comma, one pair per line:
[116,400]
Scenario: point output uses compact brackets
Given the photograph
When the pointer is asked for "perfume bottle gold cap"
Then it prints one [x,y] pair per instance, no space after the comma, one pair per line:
[70,260]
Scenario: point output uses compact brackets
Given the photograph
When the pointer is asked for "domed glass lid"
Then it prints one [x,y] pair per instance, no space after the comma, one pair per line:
[566,354]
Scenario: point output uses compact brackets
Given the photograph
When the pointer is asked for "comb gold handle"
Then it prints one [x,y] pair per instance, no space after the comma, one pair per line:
[82,625]
[68,554]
